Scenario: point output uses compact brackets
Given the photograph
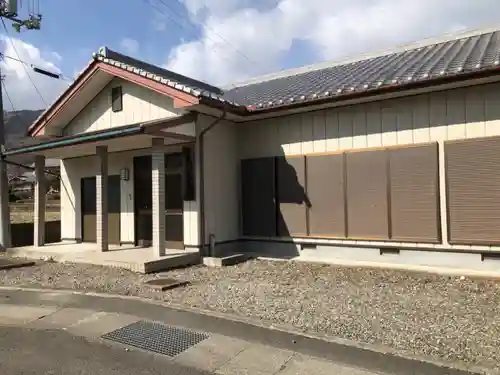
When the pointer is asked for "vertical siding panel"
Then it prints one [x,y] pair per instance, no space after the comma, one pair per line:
[257,138]
[247,139]
[421,120]
[475,112]
[306,126]
[455,114]
[345,129]
[437,116]
[139,104]
[405,121]
[319,131]
[284,134]
[359,139]
[389,125]
[492,109]
[295,135]
[332,130]
[374,125]
[272,145]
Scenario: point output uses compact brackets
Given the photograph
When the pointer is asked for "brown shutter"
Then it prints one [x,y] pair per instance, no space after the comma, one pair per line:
[325,190]
[258,194]
[414,193]
[367,191]
[473,190]
[291,196]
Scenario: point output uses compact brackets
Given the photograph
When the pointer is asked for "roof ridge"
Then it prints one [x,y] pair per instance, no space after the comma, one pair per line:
[106,52]
[434,40]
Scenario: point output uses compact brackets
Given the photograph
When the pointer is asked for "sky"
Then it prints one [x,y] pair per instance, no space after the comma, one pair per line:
[218,41]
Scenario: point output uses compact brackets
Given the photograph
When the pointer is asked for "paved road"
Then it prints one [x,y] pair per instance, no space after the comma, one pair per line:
[232,348]
[40,352]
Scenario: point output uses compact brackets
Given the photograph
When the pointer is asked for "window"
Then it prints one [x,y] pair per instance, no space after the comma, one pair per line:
[116,99]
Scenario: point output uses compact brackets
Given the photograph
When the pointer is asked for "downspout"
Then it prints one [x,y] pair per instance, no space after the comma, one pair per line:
[201,159]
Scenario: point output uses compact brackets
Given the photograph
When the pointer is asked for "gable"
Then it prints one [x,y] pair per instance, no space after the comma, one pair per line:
[90,83]
[139,104]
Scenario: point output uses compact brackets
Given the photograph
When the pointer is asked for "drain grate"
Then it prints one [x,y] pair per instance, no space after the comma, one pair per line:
[156,337]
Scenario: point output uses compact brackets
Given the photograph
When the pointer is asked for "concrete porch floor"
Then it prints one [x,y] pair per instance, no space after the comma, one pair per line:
[136,259]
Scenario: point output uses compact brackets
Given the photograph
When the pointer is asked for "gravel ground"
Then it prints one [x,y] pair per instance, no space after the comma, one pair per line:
[27,216]
[416,314]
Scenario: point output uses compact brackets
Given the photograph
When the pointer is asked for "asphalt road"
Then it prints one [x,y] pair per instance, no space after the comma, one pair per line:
[31,352]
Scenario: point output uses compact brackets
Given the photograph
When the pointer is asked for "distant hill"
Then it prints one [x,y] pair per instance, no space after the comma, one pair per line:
[16,129]
[17,124]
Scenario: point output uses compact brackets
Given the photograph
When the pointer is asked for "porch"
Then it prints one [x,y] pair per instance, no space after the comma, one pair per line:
[127,196]
[137,259]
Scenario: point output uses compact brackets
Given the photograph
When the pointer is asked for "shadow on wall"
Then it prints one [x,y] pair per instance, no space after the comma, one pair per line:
[274,203]
[274,198]
[22,233]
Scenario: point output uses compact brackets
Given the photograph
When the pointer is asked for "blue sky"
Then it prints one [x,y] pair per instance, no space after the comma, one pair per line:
[76,28]
[222,41]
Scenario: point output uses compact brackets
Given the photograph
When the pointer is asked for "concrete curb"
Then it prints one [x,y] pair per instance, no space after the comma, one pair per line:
[378,349]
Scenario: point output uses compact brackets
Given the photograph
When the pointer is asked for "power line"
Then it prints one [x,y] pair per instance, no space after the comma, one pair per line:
[189,23]
[23,65]
[212,31]
[7,95]
[38,69]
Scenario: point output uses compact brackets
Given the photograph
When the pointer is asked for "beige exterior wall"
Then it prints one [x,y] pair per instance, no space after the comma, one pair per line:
[455,114]
[73,170]
[221,179]
[139,104]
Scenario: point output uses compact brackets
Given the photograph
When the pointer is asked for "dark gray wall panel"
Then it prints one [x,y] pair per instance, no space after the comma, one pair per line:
[258,196]
[291,197]
[325,189]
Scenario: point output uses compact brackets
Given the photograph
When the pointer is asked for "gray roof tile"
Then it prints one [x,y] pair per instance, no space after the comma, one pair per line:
[422,61]
[452,57]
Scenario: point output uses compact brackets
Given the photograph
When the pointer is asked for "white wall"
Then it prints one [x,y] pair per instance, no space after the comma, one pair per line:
[139,104]
[221,179]
[449,115]
[455,114]
[73,170]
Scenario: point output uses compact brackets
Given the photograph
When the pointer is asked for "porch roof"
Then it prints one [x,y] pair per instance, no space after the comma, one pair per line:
[158,128]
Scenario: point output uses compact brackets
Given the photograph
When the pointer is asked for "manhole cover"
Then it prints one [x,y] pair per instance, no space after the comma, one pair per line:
[156,337]
[165,283]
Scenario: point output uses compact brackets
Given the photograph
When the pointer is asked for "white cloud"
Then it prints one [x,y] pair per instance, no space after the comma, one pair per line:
[265,35]
[18,84]
[130,46]
[158,22]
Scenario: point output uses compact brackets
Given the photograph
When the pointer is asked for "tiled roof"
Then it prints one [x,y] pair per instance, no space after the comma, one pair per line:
[423,61]
[454,55]
[167,77]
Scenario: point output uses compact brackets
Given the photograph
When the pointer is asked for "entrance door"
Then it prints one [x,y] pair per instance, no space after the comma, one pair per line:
[89,217]
[174,203]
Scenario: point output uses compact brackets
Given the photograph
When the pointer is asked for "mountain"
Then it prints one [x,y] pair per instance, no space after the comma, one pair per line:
[16,128]
[17,124]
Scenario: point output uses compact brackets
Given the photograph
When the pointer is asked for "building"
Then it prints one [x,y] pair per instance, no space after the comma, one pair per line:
[390,157]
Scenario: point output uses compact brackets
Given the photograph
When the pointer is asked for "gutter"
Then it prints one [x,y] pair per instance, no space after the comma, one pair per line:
[201,159]
[76,140]
[102,135]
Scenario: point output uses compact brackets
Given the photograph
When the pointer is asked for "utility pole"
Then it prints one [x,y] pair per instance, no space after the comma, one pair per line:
[9,10]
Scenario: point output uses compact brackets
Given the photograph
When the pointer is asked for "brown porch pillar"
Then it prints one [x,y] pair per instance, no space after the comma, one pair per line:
[158,199]
[102,198]
[39,209]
